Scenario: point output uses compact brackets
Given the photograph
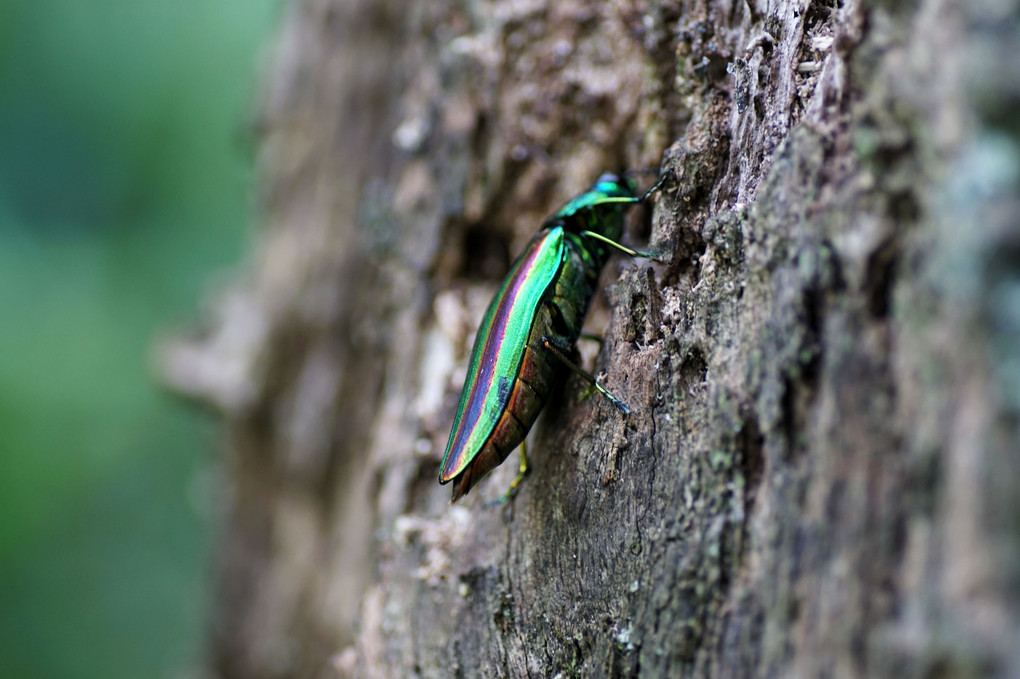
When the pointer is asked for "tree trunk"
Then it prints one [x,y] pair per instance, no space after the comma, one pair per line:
[818,478]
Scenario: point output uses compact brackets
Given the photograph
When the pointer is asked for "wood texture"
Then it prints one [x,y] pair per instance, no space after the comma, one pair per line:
[819,475]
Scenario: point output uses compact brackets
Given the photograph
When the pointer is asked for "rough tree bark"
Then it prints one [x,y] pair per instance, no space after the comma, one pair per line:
[818,478]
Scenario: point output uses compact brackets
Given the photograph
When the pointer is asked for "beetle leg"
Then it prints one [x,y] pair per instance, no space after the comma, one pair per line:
[590,337]
[559,348]
[522,471]
[658,257]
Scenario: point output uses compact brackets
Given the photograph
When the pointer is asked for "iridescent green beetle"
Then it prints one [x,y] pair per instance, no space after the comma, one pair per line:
[526,339]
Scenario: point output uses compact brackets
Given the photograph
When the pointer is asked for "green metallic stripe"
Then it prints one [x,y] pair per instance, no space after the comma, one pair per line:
[499,347]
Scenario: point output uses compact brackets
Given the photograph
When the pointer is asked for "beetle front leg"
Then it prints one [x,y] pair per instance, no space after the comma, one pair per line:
[559,348]
[656,256]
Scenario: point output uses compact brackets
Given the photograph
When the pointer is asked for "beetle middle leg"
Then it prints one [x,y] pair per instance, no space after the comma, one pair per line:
[559,348]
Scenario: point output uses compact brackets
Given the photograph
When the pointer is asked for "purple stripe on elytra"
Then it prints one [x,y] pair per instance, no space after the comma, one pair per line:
[482,383]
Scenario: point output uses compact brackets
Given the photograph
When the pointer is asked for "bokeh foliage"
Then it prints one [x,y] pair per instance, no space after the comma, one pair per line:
[125,183]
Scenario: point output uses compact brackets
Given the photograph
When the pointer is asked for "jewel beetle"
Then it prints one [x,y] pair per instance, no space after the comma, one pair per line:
[526,338]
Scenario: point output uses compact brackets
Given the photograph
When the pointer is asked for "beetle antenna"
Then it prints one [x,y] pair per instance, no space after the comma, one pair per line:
[648,171]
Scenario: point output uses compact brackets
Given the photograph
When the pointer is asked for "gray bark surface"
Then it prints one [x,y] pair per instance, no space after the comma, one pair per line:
[819,476]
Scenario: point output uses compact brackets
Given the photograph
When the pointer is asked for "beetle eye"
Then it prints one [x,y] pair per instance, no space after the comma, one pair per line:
[608,177]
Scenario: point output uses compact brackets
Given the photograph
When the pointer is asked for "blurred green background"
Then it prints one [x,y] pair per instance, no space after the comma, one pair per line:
[125,185]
